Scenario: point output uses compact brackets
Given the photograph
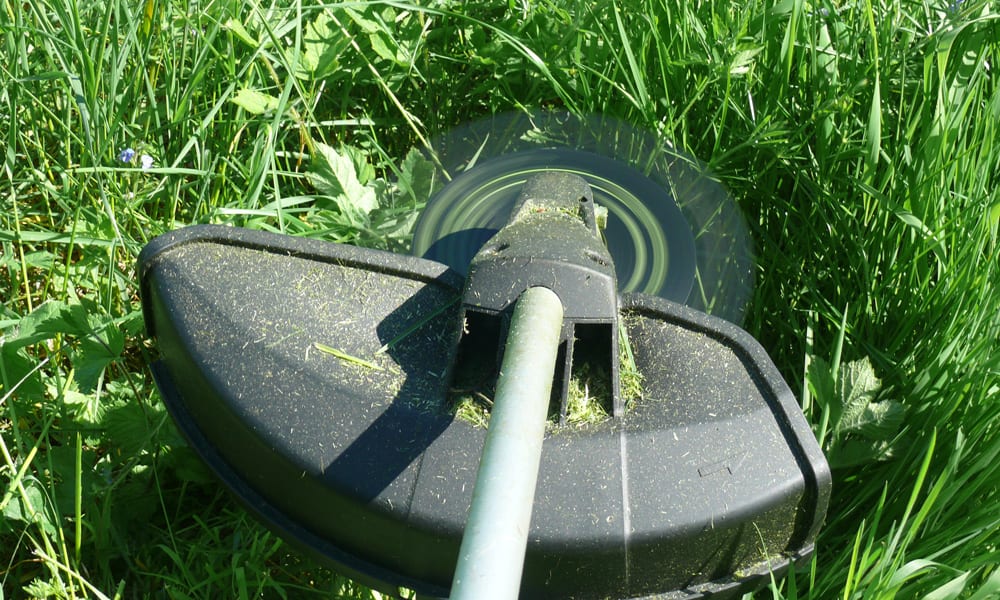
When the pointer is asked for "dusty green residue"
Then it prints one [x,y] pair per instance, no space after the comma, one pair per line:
[767,562]
[533,210]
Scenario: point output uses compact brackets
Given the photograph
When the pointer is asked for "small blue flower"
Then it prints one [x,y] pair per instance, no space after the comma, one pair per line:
[126,155]
[146,161]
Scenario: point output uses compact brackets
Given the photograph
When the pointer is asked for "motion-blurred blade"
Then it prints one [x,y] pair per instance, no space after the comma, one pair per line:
[672,230]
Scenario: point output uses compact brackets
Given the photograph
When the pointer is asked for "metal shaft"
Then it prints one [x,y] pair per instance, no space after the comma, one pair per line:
[496,534]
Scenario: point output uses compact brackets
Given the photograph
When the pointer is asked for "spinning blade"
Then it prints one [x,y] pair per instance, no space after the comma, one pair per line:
[672,230]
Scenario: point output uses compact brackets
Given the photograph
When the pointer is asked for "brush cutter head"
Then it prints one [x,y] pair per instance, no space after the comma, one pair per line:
[270,365]
[319,382]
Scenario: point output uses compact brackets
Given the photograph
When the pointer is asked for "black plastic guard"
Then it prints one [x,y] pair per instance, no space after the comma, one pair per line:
[312,378]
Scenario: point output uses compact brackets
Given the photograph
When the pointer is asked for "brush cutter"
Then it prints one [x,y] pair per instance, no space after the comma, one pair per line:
[635,445]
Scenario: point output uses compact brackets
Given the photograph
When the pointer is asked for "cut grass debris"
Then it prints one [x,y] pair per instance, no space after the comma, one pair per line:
[589,397]
[354,360]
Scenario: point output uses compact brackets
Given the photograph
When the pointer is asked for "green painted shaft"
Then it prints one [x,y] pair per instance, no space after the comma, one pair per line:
[496,534]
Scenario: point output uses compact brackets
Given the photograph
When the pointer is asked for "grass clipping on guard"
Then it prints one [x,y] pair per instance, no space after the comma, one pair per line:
[589,398]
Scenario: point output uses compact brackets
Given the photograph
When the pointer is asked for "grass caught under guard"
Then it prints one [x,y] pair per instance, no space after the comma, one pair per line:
[589,398]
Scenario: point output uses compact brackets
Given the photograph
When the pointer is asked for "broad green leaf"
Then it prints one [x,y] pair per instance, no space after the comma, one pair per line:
[363,169]
[186,465]
[128,425]
[255,102]
[133,504]
[45,322]
[367,25]
[31,506]
[98,339]
[882,420]
[857,386]
[863,429]
[385,47]
[322,45]
[821,384]
[743,60]
[25,380]
[305,61]
[241,33]
[855,452]
[85,408]
[40,260]
[417,177]
[103,344]
[334,174]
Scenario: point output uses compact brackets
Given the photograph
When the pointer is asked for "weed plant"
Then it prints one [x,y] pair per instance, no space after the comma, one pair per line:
[860,138]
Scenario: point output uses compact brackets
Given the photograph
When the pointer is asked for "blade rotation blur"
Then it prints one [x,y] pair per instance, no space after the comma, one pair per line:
[672,230]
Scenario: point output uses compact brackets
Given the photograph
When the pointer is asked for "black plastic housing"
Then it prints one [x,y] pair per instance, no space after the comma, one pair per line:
[709,482]
[552,240]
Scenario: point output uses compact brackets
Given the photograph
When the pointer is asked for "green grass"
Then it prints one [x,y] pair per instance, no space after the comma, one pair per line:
[860,139]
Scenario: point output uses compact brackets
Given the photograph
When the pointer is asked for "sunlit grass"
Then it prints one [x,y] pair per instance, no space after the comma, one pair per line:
[860,139]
